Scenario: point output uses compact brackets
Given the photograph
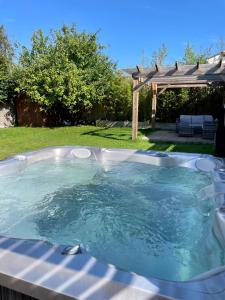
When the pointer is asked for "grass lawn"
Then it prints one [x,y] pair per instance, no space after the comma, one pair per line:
[21,139]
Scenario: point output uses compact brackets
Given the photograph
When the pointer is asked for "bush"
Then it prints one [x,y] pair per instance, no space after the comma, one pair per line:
[66,68]
[118,103]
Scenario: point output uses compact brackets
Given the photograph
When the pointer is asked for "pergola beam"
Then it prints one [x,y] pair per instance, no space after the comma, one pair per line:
[175,86]
[179,86]
[170,84]
[179,81]
[163,89]
[139,85]
[207,70]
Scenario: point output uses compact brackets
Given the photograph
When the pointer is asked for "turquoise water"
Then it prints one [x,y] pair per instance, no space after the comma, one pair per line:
[141,218]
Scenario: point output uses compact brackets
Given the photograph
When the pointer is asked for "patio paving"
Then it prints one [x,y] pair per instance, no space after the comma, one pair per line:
[172,136]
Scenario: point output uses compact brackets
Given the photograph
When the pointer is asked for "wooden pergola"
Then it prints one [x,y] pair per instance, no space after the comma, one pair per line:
[160,78]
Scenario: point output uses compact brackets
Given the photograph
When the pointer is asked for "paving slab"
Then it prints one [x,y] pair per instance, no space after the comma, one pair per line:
[173,137]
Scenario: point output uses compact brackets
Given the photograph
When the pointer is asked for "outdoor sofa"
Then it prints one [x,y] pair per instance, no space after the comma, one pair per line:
[188,125]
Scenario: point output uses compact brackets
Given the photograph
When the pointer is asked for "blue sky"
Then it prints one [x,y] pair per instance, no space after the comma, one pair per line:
[128,27]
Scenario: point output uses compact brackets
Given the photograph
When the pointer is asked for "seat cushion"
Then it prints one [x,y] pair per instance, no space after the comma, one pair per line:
[196,119]
[208,118]
[185,119]
[197,123]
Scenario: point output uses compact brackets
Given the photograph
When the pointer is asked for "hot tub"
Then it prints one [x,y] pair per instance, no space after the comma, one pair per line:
[90,223]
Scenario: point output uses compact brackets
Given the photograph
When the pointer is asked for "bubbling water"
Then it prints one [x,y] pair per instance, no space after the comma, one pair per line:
[142,218]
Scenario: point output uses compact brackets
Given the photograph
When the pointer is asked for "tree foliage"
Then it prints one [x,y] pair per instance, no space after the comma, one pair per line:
[6,55]
[118,104]
[191,57]
[159,56]
[66,68]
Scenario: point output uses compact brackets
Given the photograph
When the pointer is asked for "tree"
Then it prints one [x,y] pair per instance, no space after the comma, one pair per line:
[189,55]
[158,56]
[144,60]
[65,68]
[6,50]
[6,55]
[221,44]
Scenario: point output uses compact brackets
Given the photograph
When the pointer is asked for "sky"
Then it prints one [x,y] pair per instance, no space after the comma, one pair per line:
[128,28]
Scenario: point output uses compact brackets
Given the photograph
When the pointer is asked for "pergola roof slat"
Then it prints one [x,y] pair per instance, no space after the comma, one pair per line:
[180,73]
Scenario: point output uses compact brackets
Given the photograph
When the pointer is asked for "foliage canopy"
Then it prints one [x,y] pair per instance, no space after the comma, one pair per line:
[6,56]
[66,68]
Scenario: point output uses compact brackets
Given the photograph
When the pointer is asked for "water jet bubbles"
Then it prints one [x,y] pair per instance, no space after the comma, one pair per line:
[206,192]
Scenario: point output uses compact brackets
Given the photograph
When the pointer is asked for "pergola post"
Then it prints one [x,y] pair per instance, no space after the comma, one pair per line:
[224,103]
[154,103]
[135,111]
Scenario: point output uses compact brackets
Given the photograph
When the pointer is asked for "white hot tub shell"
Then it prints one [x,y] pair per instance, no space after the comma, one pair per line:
[45,271]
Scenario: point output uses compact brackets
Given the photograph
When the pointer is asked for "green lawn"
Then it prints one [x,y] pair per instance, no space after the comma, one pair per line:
[21,139]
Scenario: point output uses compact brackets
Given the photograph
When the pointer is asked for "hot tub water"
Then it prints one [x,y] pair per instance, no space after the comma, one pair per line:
[142,218]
